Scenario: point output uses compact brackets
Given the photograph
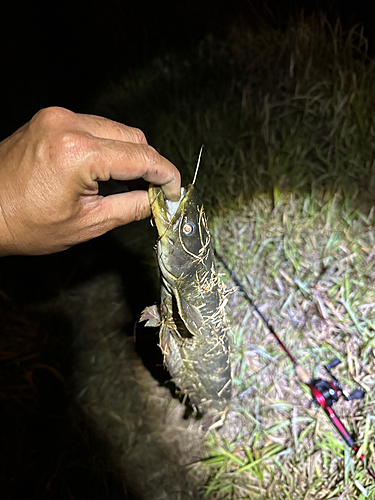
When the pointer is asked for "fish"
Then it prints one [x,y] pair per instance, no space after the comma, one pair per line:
[193,327]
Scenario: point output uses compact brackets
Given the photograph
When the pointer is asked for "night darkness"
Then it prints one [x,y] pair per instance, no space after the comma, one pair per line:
[65,54]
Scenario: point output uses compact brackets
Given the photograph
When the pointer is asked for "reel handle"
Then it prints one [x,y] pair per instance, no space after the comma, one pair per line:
[335,362]
[356,394]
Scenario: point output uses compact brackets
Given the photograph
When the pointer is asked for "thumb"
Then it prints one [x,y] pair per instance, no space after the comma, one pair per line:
[123,208]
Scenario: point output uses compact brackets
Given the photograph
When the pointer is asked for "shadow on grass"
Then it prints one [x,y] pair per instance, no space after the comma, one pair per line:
[50,448]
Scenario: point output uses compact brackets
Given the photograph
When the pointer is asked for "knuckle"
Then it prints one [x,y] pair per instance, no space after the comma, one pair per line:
[62,146]
[139,211]
[53,117]
[50,128]
[73,143]
[150,156]
[139,136]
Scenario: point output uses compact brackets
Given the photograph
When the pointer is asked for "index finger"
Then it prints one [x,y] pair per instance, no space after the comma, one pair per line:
[104,128]
[96,126]
[125,161]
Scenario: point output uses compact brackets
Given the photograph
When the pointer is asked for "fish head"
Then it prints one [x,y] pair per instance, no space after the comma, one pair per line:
[184,240]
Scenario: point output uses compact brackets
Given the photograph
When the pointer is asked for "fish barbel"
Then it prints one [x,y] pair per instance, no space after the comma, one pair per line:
[192,320]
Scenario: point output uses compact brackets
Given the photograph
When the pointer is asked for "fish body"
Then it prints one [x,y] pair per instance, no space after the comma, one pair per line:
[191,316]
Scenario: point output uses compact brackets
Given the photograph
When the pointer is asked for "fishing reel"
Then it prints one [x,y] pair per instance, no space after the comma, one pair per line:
[326,393]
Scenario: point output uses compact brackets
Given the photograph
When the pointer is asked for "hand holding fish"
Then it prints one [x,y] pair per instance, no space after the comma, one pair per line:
[49,173]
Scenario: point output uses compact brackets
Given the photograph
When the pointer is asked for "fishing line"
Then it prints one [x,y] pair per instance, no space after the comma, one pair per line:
[325,393]
[248,298]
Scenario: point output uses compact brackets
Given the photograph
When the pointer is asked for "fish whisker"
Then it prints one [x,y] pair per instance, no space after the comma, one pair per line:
[198,164]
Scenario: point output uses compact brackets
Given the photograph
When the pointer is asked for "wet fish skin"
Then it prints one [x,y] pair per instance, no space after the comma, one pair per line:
[192,320]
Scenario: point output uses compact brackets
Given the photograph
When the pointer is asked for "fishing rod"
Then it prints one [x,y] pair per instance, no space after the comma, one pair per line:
[323,392]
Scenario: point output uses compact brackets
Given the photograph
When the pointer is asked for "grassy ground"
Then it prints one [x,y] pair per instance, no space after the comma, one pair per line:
[287,118]
[308,263]
[287,177]
[288,109]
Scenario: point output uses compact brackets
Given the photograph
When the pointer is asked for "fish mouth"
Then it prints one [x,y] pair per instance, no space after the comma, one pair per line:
[165,213]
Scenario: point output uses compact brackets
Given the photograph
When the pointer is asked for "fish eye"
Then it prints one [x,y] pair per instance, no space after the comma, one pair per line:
[188,228]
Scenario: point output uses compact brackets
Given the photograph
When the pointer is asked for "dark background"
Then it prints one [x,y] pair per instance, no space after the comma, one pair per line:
[63,53]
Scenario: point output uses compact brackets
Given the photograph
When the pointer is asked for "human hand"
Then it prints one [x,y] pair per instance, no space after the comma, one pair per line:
[49,173]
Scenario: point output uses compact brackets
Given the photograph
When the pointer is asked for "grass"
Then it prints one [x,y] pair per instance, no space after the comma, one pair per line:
[287,177]
[276,110]
[319,297]
[287,118]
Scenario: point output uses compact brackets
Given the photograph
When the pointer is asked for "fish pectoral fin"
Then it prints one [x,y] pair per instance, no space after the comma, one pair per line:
[152,316]
[190,315]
